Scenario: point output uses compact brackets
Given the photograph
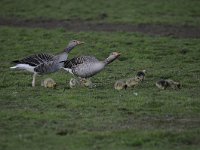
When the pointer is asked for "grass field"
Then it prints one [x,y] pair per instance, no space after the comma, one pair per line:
[101,118]
[179,12]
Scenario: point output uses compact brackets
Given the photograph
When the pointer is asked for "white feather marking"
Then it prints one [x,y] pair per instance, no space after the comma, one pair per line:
[68,70]
[14,67]
[24,67]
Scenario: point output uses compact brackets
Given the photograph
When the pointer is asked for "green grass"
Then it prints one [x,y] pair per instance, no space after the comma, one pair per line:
[179,12]
[100,118]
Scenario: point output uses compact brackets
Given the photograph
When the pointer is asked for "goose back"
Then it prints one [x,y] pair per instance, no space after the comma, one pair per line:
[35,60]
[84,66]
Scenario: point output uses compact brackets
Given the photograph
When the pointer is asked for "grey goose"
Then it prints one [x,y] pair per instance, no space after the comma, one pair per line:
[88,66]
[44,63]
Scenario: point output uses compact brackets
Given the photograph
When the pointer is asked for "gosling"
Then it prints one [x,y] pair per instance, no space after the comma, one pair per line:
[133,82]
[120,85]
[74,83]
[86,83]
[48,83]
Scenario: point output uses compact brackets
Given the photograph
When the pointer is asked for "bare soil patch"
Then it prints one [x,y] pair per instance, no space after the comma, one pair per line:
[78,25]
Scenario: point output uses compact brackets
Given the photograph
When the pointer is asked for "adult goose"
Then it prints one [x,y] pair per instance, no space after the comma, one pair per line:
[88,66]
[44,63]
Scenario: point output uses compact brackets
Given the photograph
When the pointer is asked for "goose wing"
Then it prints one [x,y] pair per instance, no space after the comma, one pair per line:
[79,60]
[47,67]
[35,60]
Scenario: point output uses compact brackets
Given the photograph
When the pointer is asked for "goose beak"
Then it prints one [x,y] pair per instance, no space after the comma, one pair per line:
[79,42]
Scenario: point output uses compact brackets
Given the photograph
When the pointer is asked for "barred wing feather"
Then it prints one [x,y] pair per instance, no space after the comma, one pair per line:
[47,67]
[35,60]
[79,60]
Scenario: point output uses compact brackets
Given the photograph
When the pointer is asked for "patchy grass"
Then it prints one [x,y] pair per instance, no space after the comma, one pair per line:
[179,12]
[100,118]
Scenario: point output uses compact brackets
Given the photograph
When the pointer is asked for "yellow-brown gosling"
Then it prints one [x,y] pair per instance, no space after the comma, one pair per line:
[120,85]
[86,83]
[74,83]
[48,83]
[132,82]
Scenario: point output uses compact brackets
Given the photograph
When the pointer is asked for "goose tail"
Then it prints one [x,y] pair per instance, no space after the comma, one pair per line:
[14,67]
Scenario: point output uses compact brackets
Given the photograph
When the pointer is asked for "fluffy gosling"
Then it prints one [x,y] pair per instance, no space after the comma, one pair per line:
[132,82]
[48,83]
[74,83]
[120,85]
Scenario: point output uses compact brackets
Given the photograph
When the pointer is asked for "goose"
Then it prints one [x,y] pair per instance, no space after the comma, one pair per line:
[48,83]
[88,66]
[44,63]
[120,84]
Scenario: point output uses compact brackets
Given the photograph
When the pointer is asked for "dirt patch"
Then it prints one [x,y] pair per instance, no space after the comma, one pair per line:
[77,26]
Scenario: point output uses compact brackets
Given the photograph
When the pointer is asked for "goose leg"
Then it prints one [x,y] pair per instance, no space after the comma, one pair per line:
[33,82]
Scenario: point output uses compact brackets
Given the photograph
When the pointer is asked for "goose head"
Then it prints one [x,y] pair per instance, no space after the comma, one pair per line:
[141,75]
[112,57]
[72,44]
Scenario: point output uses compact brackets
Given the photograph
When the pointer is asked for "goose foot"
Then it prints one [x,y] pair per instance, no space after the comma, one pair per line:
[33,82]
